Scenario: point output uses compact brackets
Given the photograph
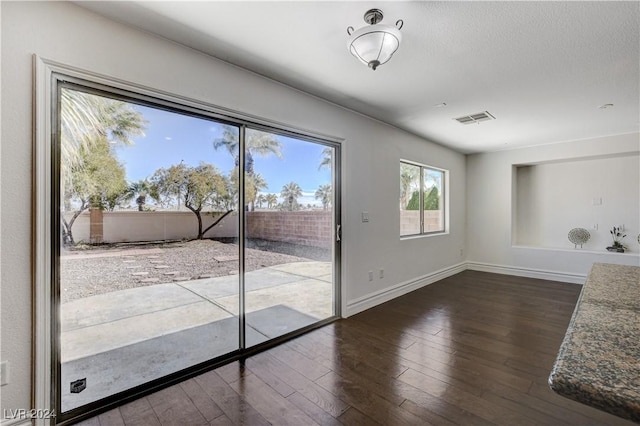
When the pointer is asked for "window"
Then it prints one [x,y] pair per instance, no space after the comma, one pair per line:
[422,199]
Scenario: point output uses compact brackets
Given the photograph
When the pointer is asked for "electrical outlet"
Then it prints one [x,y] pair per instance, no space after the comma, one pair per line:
[461,252]
[4,373]
[370,275]
[381,274]
[595,226]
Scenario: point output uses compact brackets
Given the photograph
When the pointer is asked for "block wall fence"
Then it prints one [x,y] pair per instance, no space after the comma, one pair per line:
[410,221]
[310,228]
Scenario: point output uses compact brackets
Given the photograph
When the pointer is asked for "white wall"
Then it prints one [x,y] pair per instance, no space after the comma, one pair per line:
[71,35]
[553,198]
[491,201]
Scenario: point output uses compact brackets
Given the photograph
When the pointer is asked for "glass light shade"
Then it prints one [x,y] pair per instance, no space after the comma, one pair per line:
[375,44]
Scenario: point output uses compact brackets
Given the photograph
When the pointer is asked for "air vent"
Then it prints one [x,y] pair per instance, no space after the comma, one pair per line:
[475,118]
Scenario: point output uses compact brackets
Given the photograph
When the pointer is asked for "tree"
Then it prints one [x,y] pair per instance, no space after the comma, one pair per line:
[323,193]
[409,175]
[89,126]
[326,159]
[414,202]
[257,143]
[198,187]
[227,200]
[260,200]
[290,194]
[432,200]
[167,185]
[253,184]
[98,182]
[140,190]
[87,118]
[271,200]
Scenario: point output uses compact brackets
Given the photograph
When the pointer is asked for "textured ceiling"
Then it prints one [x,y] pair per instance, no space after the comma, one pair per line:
[541,68]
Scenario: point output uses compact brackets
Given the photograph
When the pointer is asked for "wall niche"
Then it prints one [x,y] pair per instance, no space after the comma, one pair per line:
[594,193]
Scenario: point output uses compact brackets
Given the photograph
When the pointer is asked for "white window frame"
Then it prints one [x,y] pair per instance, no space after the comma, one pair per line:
[444,200]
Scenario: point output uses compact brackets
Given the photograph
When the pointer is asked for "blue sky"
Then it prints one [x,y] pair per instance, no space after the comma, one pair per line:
[171,138]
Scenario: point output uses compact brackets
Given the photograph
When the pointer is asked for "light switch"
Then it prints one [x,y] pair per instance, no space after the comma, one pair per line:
[365,217]
[597,201]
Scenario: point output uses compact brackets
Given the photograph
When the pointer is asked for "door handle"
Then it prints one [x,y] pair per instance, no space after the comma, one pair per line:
[338,233]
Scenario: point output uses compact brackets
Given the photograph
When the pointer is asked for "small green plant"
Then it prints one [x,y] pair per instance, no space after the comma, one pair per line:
[617,237]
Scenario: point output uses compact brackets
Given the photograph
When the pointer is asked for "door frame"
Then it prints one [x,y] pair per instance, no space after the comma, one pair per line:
[46,319]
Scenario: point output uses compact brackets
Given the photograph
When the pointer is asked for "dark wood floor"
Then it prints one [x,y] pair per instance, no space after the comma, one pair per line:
[473,349]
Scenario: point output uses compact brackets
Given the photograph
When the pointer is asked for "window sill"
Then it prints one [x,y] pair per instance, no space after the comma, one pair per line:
[581,251]
[418,236]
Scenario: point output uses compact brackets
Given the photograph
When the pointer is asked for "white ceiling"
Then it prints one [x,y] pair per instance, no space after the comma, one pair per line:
[541,68]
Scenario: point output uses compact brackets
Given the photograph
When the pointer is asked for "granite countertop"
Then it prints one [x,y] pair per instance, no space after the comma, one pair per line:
[599,360]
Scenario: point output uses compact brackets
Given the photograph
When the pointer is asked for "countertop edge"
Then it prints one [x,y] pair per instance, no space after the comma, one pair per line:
[582,389]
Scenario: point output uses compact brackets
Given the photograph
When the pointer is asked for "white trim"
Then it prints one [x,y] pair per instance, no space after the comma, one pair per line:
[199,105]
[16,422]
[527,272]
[373,299]
[41,237]
[579,252]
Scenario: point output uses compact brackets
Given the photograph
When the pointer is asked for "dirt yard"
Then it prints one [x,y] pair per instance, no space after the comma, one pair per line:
[89,270]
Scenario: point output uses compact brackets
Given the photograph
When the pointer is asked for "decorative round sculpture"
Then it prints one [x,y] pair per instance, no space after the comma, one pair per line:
[579,236]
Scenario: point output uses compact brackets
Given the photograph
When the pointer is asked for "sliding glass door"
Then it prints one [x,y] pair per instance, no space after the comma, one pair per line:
[289,216]
[183,239]
[149,242]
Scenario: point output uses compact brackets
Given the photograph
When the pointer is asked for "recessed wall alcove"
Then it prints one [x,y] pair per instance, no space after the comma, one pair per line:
[595,193]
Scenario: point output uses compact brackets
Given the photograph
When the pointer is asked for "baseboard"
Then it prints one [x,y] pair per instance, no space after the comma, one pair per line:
[381,296]
[16,422]
[527,272]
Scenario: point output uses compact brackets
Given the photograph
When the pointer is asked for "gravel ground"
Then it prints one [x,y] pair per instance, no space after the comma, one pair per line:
[90,270]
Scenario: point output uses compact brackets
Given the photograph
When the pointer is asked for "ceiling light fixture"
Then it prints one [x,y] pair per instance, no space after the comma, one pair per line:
[374,45]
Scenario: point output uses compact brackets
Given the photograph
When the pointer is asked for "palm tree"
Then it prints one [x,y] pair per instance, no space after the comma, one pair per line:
[326,159]
[323,193]
[290,194]
[85,118]
[140,190]
[253,184]
[89,126]
[272,200]
[257,143]
[261,199]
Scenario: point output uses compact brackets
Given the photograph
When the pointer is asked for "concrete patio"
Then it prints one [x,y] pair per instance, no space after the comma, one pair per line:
[121,339]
